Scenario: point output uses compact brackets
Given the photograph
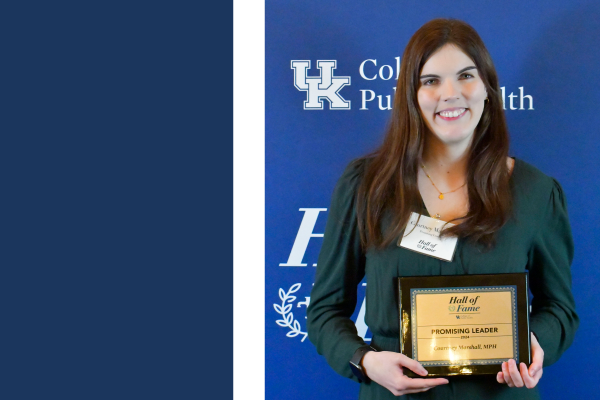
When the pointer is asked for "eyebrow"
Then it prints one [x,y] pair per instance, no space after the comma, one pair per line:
[458,73]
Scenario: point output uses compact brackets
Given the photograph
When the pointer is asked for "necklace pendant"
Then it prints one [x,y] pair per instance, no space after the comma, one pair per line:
[441,197]
[437,216]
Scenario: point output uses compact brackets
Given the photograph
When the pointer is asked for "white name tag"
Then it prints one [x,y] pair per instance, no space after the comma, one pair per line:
[422,234]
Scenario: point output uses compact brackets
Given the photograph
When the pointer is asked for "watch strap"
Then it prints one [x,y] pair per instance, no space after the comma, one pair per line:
[356,363]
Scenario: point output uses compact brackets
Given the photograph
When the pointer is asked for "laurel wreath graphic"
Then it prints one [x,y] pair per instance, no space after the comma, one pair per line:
[284,310]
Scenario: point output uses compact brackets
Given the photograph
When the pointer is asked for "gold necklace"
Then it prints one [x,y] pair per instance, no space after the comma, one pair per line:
[441,196]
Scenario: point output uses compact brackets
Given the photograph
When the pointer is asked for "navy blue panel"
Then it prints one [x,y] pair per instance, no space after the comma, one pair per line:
[112,178]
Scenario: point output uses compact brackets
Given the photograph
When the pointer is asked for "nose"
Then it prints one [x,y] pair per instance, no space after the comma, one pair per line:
[449,90]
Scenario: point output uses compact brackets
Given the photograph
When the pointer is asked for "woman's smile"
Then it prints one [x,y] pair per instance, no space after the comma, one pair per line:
[452,114]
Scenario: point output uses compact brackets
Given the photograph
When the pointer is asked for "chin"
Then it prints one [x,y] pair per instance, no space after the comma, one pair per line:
[453,138]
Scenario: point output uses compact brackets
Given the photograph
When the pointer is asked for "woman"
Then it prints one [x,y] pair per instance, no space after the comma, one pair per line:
[445,155]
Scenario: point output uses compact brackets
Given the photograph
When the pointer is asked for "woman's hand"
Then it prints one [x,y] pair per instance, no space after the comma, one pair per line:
[528,377]
[385,368]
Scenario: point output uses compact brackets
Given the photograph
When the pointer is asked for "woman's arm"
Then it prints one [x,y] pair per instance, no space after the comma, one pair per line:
[553,318]
[340,268]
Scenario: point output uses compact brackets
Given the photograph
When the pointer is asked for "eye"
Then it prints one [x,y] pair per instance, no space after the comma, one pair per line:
[429,82]
[466,75]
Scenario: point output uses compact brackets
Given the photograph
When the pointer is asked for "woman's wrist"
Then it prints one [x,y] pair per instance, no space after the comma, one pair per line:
[366,361]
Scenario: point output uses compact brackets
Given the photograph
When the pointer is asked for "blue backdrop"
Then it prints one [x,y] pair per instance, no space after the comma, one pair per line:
[547,60]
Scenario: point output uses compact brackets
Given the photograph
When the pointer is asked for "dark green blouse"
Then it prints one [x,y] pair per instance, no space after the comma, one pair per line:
[536,239]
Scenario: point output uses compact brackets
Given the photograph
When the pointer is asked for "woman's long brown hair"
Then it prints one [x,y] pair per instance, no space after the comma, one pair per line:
[388,192]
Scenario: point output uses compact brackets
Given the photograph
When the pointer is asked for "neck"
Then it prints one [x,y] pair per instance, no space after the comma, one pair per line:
[446,159]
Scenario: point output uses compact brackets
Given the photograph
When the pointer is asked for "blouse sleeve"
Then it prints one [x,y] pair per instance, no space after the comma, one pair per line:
[553,319]
[340,268]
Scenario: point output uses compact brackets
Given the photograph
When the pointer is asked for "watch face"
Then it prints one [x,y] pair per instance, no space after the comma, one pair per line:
[357,370]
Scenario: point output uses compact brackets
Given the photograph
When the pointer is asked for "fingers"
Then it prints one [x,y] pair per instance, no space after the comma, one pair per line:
[500,377]
[399,393]
[515,374]
[535,369]
[417,383]
[437,381]
[386,369]
[407,385]
[507,375]
[530,382]
[415,391]
[413,365]
[538,358]
[529,378]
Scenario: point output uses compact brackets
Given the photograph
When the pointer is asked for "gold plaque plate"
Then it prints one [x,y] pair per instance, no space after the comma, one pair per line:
[464,324]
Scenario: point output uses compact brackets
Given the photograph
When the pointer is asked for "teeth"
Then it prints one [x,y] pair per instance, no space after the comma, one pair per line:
[452,114]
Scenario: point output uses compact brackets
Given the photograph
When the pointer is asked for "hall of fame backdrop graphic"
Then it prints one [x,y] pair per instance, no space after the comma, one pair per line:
[331,73]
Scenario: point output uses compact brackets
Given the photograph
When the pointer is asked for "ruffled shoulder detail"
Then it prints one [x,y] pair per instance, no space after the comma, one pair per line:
[528,178]
[352,175]
[537,193]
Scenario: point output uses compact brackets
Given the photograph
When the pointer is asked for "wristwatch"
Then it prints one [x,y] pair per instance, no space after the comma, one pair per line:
[356,363]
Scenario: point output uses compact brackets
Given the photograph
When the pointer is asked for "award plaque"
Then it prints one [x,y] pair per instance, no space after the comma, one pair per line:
[464,324]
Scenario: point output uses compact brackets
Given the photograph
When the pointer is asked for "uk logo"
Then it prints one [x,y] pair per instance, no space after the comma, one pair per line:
[322,87]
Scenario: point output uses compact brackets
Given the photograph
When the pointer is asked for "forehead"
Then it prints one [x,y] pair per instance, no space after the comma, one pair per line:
[448,58]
